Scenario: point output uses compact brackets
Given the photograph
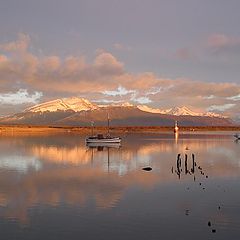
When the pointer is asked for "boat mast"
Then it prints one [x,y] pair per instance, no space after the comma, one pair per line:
[92,124]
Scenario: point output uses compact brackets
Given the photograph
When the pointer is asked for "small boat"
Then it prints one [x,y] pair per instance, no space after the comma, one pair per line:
[100,139]
[237,136]
[103,139]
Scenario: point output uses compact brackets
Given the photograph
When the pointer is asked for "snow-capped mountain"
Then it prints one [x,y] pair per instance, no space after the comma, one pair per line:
[76,104]
[64,104]
[80,112]
[178,111]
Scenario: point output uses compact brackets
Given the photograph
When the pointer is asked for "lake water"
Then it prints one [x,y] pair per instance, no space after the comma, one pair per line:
[54,187]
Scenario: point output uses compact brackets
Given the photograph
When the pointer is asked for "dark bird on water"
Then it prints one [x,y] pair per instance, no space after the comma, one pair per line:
[147,169]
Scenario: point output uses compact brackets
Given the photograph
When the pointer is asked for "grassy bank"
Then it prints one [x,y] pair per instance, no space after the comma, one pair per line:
[20,129]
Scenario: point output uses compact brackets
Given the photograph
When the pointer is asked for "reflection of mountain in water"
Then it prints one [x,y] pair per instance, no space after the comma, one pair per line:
[72,174]
[133,155]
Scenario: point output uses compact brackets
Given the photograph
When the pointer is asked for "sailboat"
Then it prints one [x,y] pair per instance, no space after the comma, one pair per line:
[101,140]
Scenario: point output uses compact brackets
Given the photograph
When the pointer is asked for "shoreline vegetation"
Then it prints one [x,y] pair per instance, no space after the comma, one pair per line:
[30,129]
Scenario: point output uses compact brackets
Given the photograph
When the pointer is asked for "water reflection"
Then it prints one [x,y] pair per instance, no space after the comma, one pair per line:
[56,171]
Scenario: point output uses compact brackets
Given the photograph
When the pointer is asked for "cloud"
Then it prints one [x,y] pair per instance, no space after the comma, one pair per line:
[20,45]
[103,77]
[209,97]
[221,108]
[221,41]
[234,98]
[121,47]
[184,54]
[155,90]
[20,97]
[142,100]
[107,101]
[225,47]
[105,62]
[118,46]
[121,91]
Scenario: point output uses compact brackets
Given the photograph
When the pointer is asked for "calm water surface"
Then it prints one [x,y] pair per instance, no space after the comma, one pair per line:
[54,187]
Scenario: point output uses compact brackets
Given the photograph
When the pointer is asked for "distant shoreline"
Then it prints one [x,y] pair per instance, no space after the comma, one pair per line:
[29,129]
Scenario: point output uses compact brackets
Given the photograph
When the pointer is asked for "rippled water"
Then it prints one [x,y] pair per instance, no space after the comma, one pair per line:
[54,187]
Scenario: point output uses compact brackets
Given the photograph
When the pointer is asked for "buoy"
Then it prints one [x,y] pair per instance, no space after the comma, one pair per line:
[176,127]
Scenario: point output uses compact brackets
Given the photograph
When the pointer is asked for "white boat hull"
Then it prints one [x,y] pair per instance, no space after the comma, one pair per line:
[103,140]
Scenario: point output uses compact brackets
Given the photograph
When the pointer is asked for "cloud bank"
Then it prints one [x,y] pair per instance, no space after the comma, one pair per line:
[105,79]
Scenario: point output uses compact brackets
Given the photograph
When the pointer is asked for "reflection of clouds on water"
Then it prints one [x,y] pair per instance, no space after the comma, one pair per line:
[68,172]
[64,155]
[20,163]
[73,186]
[223,152]
[122,160]
[132,156]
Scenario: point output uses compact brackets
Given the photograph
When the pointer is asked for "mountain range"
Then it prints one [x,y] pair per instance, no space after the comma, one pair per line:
[81,112]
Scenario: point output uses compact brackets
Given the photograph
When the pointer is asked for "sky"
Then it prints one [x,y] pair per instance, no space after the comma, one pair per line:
[161,53]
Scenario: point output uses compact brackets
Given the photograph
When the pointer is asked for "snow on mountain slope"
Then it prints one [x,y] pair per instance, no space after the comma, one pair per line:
[148,109]
[80,104]
[178,111]
[75,104]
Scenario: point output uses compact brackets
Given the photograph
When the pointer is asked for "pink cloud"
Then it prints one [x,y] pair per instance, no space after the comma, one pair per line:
[222,40]
[72,75]
[184,54]
[21,44]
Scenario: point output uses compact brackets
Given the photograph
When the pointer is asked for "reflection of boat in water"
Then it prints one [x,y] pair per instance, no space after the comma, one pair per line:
[237,136]
[100,139]
[104,144]
[101,147]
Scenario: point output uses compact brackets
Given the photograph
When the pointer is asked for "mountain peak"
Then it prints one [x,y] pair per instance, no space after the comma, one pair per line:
[178,111]
[75,104]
